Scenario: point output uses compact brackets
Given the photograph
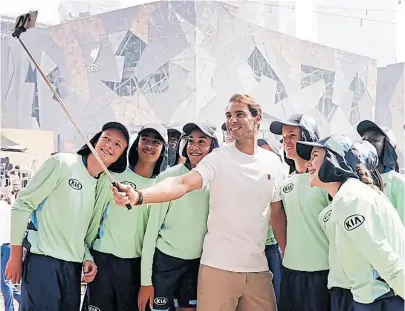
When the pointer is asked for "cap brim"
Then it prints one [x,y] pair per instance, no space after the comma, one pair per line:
[118,126]
[367,125]
[189,127]
[151,129]
[276,127]
[304,149]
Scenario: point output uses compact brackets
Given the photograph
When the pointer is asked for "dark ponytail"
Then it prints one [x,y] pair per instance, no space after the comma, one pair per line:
[373,179]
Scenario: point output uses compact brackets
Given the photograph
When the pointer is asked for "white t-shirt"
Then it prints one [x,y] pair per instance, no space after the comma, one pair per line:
[241,187]
[5,219]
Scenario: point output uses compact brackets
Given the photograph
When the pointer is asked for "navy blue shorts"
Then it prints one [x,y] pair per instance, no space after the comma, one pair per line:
[304,291]
[50,284]
[341,299]
[174,279]
[392,303]
[116,285]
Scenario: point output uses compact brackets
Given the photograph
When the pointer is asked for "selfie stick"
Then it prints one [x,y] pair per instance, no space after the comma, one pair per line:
[24,22]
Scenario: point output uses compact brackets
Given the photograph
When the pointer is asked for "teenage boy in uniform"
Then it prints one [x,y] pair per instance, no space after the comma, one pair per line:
[60,200]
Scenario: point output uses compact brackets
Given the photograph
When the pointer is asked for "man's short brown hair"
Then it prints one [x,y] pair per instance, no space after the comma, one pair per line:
[253,106]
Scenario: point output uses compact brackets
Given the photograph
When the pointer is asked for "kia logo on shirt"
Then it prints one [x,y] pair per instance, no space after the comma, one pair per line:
[128,183]
[288,188]
[354,221]
[75,184]
[327,216]
[93,308]
[160,301]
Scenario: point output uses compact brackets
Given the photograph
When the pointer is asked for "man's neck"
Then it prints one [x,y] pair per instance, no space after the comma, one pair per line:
[300,166]
[144,169]
[93,167]
[248,146]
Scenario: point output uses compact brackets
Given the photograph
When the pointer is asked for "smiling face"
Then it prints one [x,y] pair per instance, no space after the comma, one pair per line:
[291,135]
[111,145]
[240,121]
[150,146]
[314,164]
[198,146]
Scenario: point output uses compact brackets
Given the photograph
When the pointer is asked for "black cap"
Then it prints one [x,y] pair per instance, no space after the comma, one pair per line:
[261,142]
[158,128]
[367,125]
[121,164]
[300,120]
[205,127]
[337,143]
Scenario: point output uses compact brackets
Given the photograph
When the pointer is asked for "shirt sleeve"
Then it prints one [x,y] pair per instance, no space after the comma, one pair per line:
[153,216]
[103,197]
[157,213]
[361,223]
[208,166]
[37,190]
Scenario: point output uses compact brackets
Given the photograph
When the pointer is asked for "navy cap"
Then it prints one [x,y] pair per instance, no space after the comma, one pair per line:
[118,126]
[158,128]
[120,165]
[367,125]
[303,121]
[174,130]
[261,142]
[336,143]
[339,163]
[205,127]
[366,153]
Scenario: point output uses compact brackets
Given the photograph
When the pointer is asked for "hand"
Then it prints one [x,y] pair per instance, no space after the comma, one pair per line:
[13,270]
[126,195]
[89,270]
[146,293]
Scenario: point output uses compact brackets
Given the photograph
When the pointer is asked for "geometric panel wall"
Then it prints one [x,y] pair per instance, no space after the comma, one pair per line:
[177,62]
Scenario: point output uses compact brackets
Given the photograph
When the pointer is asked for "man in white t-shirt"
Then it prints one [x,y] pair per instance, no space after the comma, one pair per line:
[243,179]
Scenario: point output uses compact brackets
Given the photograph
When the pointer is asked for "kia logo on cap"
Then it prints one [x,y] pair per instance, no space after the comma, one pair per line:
[160,301]
[75,184]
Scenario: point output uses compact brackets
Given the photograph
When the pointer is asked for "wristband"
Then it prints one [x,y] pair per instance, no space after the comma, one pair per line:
[140,199]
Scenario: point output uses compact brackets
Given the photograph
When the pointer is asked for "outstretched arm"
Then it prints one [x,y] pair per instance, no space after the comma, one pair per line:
[172,188]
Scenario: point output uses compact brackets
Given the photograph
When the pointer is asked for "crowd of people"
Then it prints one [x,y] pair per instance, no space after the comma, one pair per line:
[307,223]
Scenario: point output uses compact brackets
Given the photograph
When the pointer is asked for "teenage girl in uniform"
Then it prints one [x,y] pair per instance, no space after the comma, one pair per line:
[368,243]
[175,233]
[301,238]
[384,141]
[118,246]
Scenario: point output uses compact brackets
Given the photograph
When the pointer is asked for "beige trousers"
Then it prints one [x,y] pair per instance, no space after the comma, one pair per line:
[220,290]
